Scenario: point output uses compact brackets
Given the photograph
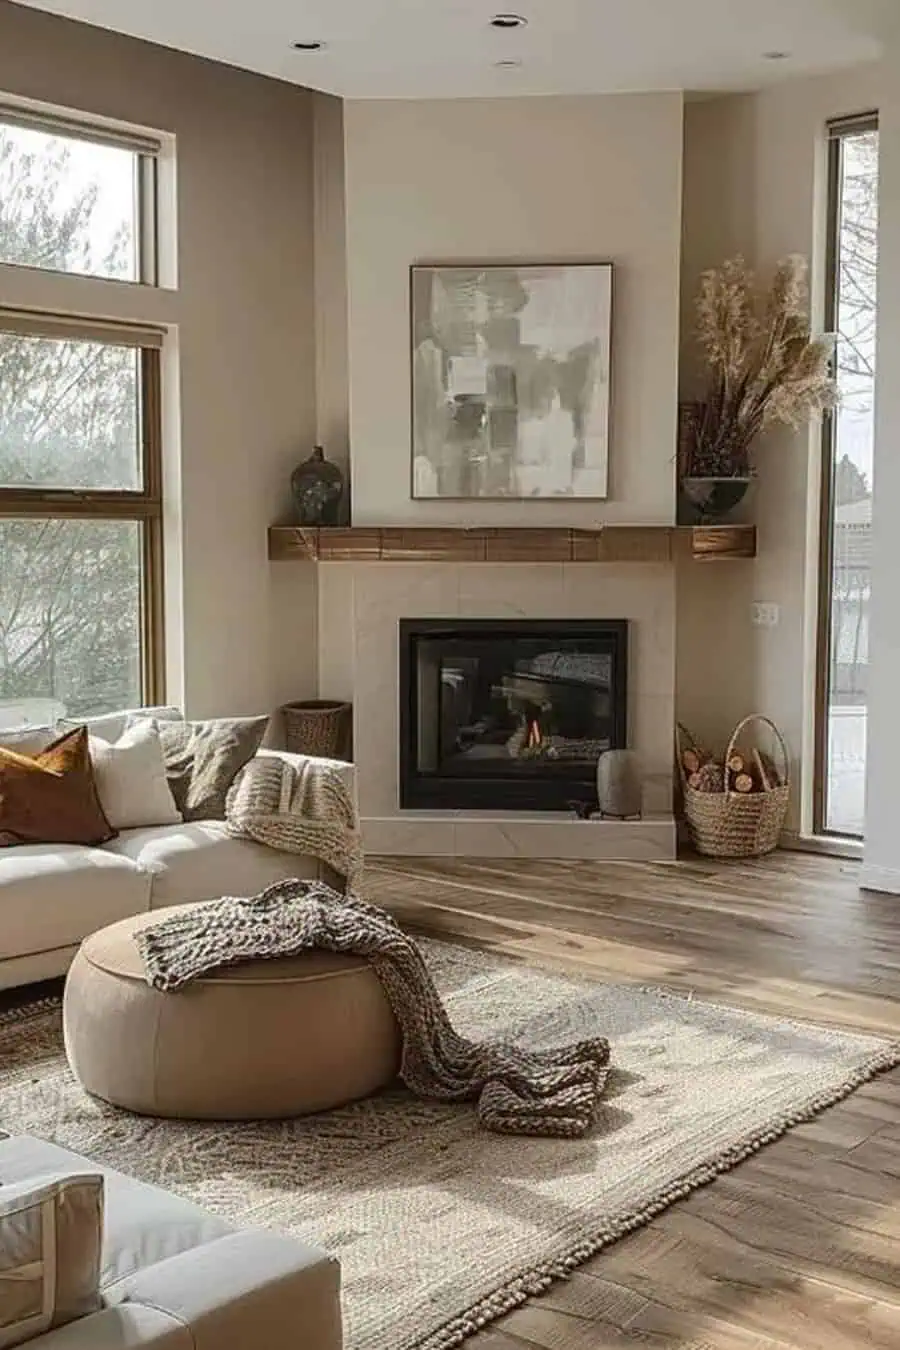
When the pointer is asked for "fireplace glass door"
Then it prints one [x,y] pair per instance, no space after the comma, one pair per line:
[507,714]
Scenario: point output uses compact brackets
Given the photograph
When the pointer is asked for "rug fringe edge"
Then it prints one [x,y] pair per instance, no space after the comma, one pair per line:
[536,1281]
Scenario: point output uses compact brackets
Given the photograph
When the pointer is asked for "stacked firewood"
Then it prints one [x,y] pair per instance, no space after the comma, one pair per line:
[744,772]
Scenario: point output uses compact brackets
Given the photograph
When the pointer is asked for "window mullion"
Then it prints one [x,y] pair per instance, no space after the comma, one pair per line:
[79,505]
[151,424]
[153,662]
[148,220]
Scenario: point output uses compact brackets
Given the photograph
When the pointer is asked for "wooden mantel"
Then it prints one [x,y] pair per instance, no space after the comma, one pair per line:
[606,544]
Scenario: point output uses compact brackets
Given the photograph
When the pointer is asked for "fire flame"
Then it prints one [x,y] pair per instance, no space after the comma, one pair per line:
[534,734]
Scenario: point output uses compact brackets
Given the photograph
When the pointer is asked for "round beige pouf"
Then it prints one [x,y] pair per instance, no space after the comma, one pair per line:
[266,1039]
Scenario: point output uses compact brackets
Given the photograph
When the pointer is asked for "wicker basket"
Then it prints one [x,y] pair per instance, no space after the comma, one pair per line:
[735,824]
[320,727]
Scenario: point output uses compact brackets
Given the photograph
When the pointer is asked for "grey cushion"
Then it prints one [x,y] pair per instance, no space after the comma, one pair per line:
[204,758]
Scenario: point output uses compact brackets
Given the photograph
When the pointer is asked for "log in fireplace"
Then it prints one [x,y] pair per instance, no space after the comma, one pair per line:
[509,714]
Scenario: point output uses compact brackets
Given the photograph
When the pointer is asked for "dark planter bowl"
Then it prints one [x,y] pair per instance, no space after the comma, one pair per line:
[712,499]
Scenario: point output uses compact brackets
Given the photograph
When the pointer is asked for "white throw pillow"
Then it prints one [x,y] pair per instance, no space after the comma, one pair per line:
[131,779]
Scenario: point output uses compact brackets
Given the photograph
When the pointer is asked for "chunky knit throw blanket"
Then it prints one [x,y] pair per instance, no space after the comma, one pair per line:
[298,809]
[518,1091]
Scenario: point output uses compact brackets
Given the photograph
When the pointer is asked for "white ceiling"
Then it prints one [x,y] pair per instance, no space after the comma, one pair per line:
[446,48]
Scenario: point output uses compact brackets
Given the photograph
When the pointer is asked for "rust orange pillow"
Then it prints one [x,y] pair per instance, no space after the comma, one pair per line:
[50,797]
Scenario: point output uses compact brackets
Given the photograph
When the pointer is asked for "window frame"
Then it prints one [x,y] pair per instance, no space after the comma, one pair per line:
[146,149]
[144,505]
[838,130]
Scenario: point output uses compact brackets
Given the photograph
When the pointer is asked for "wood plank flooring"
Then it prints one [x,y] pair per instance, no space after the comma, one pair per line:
[798,1248]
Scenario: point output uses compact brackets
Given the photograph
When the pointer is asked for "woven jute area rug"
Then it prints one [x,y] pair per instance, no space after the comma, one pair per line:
[441,1227]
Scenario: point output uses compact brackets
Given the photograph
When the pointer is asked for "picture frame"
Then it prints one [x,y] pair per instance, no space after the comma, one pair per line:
[510,381]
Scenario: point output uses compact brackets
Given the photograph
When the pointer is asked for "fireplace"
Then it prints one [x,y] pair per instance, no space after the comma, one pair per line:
[509,714]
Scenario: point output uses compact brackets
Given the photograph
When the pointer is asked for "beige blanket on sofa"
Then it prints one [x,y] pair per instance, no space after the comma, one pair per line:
[302,807]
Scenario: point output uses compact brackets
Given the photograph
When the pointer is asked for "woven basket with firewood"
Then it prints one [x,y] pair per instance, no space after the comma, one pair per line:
[735,807]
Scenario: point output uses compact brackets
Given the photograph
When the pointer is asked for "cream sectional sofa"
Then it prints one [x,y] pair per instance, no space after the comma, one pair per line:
[53,895]
[174,1277]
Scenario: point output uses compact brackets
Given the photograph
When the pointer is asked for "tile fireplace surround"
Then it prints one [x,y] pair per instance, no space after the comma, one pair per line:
[359,612]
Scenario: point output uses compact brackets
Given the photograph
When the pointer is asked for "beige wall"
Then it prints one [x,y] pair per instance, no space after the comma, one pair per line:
[754,182]
[243,317]
[330,243]
[553,179]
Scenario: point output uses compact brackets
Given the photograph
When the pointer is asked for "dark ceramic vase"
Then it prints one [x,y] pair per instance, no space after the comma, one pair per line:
[317,486]
[713,499]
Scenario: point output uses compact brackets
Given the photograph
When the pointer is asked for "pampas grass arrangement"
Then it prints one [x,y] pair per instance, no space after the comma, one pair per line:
[765,368]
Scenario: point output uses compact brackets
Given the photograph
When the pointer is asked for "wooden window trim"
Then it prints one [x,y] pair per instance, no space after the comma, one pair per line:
[153,657]
[855,125]
[143,506]
[79,128]
[79,328]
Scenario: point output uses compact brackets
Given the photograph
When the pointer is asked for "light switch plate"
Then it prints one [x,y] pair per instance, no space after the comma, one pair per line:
[764,614]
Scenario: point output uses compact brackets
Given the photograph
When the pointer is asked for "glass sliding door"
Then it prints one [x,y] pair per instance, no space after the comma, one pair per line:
[847,480]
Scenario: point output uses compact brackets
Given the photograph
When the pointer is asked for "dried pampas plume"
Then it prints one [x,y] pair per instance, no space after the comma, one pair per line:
[764,366]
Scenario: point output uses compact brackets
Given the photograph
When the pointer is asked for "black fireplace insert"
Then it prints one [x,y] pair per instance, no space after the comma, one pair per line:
[509,714]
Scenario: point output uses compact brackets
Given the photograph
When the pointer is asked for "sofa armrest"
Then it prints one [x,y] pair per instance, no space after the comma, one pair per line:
[129,1327]
[346,771]
[246,1289]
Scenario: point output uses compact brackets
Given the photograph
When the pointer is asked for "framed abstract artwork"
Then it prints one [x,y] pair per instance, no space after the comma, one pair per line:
[511,381]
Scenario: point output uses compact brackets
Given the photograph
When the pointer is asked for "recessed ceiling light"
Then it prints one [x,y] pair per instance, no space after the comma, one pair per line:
[308,46]
[509,21]
[776,56]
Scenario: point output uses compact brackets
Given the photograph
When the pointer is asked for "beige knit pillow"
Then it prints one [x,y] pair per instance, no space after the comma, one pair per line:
[51,1233]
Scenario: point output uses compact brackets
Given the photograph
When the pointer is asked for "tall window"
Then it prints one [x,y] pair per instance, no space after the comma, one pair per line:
[847,479]
[80,434]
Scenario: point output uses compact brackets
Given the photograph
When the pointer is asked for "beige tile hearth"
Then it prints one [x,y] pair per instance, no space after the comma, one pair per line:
[522,835]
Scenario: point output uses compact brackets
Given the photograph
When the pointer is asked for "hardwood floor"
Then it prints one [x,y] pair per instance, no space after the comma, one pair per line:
[798,1248]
